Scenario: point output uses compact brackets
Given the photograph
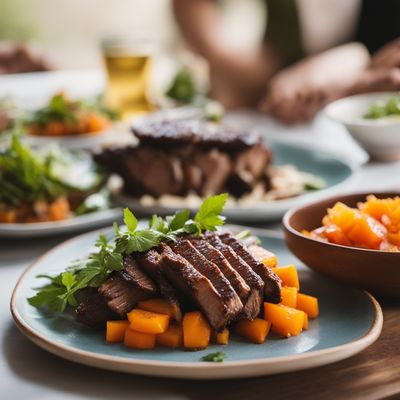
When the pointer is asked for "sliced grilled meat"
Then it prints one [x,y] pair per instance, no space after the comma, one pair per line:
[94,312]
[134,275]
[272,283]
[121,295]
[206,267]
[150,262]
[215,256]
[254,301]
[196,286]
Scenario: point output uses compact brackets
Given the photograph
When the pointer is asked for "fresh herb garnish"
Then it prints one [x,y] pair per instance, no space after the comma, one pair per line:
[97,267]
[381,110]
[183,88]
[218,356]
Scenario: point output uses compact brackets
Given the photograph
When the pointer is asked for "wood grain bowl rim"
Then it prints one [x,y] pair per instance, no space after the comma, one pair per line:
[194,370]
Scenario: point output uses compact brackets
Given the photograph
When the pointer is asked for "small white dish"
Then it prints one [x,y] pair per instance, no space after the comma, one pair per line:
[379,137]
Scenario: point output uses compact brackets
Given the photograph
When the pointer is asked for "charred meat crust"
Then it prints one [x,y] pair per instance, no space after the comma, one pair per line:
[150,262]
[184,276]
[252,306]
[134,275]
[211,253]
[272,283]
[206,267]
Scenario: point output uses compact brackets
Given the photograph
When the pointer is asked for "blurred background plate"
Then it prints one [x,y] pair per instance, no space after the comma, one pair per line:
[335,171]
[349,321]
[75,224]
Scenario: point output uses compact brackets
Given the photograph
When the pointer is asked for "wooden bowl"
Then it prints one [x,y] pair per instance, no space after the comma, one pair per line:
[373,270]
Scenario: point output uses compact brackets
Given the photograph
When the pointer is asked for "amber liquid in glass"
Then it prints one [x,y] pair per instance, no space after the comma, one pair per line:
[128,83]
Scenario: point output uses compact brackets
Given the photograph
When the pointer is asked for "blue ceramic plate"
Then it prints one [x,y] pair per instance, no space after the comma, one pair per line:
[334,171]
[350,320]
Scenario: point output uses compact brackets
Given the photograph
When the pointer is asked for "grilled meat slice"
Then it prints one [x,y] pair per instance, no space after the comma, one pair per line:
[94,311]
[207,268]
[196,286]
[272,283]
[150,262]
[121,295]
[134,275]
[254,301]
[215,256]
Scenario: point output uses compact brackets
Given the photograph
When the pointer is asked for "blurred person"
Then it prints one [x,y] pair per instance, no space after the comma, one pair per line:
[19,58]
[313,52]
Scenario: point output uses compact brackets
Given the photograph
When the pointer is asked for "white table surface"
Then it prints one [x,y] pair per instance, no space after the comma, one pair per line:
[26,371]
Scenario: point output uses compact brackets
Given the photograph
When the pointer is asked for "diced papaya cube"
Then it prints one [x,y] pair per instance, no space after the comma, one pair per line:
[196,330]
[266,257]
[394,238]
[288,275]
[148,322]
[375,207]
[305,323]
[289,296]
[308,304]
[172,337]
[159,306]
[220,337]
[139,340]
[335,235]
[285,320]
[342,216]
[256,331]
[115,330]
[367,232]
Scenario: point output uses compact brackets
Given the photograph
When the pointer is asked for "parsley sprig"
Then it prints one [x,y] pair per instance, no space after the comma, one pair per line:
[92,271]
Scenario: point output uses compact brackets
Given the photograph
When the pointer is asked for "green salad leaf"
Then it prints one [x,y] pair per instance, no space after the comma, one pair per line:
[218,356]
[93,270]
[183,87]
[384,109]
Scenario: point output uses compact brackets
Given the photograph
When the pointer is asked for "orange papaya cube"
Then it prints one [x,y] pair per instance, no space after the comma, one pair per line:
[115,330]
[342,216]
[139,340]
[266,257]
[256,331]
[375,207]
[394,238]
[147,322]
[220,337]
[289,296]
[196,330]
[159,306]
[288,275]
[308,304]
[285,320]
[172,337]
[305,323]
[367,232]
[335,235]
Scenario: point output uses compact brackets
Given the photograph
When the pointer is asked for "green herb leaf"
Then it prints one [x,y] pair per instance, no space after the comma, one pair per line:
[208,217]
[130,220]
[219,356]
[179,220]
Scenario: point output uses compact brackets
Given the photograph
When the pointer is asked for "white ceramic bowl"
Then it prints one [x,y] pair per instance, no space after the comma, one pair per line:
[379,137]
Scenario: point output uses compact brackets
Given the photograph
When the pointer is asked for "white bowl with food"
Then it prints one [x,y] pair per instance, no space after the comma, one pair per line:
[373,120]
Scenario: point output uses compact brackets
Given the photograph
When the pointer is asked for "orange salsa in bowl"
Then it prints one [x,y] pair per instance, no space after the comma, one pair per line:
[374,224]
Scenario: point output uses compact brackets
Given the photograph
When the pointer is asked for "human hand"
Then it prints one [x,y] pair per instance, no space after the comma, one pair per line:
[387,57]
[377,80]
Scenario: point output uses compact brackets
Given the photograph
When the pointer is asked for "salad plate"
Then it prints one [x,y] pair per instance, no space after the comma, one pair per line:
[332,170]
[349,321]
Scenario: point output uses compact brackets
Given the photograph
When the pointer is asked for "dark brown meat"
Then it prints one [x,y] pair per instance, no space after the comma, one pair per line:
[134,275]
[213,273]
[215,168]
[272,283]
[94,312]
[121,295]
[195,285]
[150,262]
[176,133]
[254,301]
[215,256]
